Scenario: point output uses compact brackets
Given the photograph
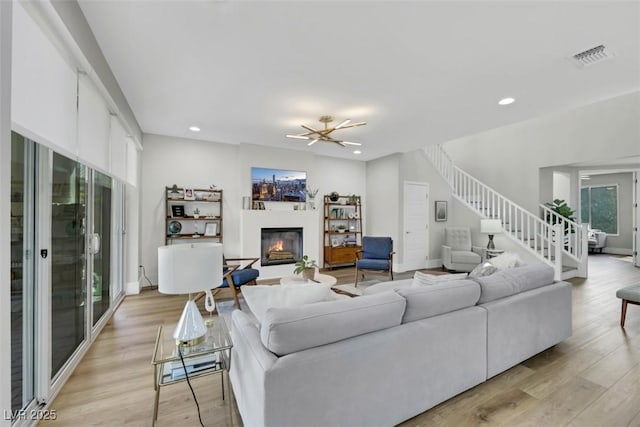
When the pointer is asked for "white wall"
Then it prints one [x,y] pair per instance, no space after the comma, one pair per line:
[5,198]
[199,164]
[561,186]
[383,199]
[602,131]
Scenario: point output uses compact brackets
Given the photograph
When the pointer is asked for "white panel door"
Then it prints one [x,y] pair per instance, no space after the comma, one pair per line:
[416,225]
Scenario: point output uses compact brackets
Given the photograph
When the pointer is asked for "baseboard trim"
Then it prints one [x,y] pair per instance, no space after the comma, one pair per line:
[617,251]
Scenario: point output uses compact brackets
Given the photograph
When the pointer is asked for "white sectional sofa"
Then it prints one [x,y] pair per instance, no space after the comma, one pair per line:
[380,359]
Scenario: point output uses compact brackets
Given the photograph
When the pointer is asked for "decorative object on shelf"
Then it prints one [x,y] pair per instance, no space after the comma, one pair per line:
[177,211]
[196,213]
[334,196]
[210,229]
[341,228]
[441,210]
[187,269]
[246,203]
[335,242]
[175,227]
[353,199]
[174,194]
[315,135]
[189,194]
[306,267]
[199,195]
[311,197]
[490,227]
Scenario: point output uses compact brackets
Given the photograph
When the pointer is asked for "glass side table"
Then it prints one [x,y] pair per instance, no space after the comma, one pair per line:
[211,356]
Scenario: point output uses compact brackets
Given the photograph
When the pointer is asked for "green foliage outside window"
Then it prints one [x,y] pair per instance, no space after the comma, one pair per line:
[599,207]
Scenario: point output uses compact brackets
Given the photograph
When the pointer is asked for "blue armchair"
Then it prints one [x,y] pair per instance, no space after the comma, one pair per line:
[376,255]
[235,277]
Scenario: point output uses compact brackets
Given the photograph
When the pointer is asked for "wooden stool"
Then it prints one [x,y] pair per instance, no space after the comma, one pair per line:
[629,295]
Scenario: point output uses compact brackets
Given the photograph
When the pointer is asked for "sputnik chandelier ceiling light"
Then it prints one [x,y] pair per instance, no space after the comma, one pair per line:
[314,135]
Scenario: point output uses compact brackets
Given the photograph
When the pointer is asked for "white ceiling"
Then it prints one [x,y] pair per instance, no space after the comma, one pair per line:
[418,72]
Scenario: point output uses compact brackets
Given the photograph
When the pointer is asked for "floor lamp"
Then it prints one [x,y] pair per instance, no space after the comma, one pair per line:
[186,269]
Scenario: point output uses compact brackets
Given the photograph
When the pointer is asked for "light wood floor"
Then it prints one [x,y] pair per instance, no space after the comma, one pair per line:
[591,379]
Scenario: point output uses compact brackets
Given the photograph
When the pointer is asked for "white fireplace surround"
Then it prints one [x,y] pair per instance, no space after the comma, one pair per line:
[253,221]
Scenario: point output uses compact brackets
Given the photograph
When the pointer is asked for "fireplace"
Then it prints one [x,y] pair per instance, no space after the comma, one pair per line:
[280,245]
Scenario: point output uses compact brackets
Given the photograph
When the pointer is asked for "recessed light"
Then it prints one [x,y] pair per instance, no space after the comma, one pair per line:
[506,101]
[194,128]
[357,152]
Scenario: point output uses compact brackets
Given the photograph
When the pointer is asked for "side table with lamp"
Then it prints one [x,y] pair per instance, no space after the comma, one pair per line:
[491,227]
[196,348]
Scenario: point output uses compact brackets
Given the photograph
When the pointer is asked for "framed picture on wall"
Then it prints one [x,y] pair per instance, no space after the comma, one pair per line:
[441,210]
[189,194]
[211,229]
[177,211]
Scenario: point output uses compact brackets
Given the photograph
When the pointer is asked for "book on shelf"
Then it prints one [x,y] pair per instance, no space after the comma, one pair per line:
[193,365]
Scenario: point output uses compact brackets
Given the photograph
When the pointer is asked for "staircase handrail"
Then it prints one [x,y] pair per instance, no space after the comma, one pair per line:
[528,229]
[572,245]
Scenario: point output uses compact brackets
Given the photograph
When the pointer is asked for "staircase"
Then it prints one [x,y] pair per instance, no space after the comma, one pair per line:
[548,236]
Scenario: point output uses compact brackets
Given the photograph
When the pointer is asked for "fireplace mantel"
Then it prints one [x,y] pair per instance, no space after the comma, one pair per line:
[252,221]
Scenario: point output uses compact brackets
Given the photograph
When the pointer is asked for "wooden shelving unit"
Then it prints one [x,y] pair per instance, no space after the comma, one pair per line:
[207,226]
[342,230]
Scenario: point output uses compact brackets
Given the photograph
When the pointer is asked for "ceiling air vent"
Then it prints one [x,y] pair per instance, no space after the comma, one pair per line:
[592,56]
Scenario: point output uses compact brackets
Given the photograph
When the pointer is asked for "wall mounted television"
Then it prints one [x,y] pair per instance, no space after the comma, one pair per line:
[278,185]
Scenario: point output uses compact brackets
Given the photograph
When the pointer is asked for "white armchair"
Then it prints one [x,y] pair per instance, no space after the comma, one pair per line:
[457,251]
[597,240]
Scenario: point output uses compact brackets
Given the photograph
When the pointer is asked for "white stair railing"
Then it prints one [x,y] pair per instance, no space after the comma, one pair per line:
[532,232]
[574,234]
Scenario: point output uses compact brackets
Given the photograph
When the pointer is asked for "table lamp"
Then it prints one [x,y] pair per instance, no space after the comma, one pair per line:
[490,227]
[186,269]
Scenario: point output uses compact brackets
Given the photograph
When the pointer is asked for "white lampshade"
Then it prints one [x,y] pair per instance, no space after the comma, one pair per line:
[490,226]
[189,268]
[185,269]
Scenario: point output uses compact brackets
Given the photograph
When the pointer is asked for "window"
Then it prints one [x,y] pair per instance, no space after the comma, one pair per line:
[599,207]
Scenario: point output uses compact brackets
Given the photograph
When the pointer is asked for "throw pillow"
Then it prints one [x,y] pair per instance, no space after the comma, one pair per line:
[482,270]
[424,279]
[260,298]
[506,260]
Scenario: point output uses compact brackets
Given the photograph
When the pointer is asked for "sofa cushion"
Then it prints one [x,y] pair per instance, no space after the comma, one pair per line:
[259,298]
[513,281]
[465,257]
[387,286]
[425,279]
[486,269]
[290,329]
[428,301]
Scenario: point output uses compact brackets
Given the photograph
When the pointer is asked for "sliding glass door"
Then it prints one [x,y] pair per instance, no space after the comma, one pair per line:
[66,265]
[68,259]
[100,245]
[22,301]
